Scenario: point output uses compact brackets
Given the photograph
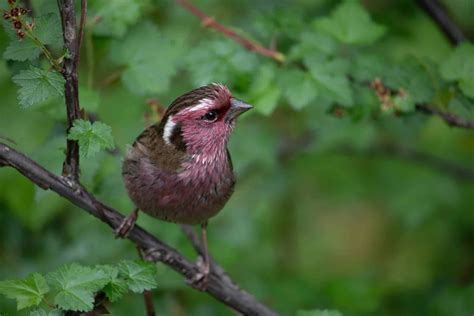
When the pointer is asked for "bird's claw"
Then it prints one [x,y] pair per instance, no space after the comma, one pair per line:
[127,225]
[200,279]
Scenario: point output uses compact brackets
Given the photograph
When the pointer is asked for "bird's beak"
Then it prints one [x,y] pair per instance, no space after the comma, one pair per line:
[237,107]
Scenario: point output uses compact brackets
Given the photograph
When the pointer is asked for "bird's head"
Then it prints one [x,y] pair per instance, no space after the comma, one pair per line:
[201,120]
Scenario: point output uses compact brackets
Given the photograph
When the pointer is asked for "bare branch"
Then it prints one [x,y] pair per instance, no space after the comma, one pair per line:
[450,118]
[81,30]
[209,21]
[69,71]
[219,287]
[442,19]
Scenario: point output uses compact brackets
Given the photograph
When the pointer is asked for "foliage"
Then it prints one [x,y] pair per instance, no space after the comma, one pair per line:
[72,287]
[349,198]
[92,137]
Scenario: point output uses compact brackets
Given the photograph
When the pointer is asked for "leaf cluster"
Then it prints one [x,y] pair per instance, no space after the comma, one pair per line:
[74,287]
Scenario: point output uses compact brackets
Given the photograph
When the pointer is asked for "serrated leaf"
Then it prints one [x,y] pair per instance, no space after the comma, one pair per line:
[350,23]
[139,275]
[459,66]
[311,43]
[76,286]
[27,292]
[92,137]
[298,88]
[319,312]
[42,312]
[331,78]
[220,60]
[116,286]
[113,17]
[47,29]
[413,78]
[38,85]
[148,57]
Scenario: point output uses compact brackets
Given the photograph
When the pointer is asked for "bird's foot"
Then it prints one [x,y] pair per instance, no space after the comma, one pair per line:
[127,225]
[200,280]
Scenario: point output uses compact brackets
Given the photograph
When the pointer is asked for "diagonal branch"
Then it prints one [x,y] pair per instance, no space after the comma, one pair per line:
[219,287]
[450,118]
[209,21]
[69,71]
[442,19]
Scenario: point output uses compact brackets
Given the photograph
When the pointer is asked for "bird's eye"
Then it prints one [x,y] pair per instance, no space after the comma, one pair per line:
[210,116]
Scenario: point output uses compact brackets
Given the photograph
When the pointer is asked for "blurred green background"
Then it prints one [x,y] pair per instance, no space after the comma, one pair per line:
[337,205]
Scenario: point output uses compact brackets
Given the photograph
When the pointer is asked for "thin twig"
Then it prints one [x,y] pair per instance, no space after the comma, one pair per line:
[221,288]
[82,23]
[147,295]
[442,19]
[209,21]
[69,71]
[450,118]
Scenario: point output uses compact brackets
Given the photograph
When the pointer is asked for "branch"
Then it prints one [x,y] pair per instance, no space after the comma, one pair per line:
[449,118]
[442,19]
[69,71]
[221,288]
[209,21]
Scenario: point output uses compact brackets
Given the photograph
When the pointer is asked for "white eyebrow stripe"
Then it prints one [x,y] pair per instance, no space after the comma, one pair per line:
[203,104]
[168,130]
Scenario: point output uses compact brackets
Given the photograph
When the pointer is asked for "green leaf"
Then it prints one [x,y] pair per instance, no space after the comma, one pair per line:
[351,24]
[319,312]
[148,58]
[331,78]
[404,102]
[76,286]
[412,77]
[311,43]
[91,137]
[117,286]
[222,61]
[139,275]
[298,88]
[113,17]
[27,292]
[367,67]
[42,312]
[47,29]
[459,66]
[264,94]
[38,85]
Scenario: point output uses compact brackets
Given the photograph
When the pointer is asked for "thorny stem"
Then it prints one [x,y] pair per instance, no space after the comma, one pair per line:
[69,71]
[208,21]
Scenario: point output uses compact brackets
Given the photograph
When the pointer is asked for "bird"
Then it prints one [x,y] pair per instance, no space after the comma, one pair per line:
[180,170]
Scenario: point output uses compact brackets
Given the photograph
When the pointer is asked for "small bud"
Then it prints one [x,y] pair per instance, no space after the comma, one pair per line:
[11,2]
[6,15]
[20,34]
[24,10]
[17,25]
[30,26]
[15,12]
